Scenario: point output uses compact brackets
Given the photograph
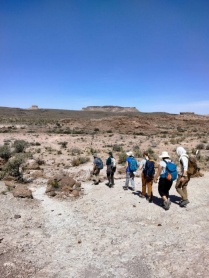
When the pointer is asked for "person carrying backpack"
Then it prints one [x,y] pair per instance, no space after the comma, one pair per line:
[131,167]
[147,165]
[183,177]
[111,168]
[97,166]
[166,178]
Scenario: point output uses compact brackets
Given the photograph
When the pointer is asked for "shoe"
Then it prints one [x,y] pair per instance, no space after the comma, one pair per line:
[132,188]
[183,203]
[96,183]
[107,183]
[125,187]
[166,205]
[150,200]
[141,195]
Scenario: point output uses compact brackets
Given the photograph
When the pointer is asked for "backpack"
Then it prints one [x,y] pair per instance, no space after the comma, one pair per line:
[99,163]
[192,165]
[171,172]
[133,165]
[149,169]
[113,162]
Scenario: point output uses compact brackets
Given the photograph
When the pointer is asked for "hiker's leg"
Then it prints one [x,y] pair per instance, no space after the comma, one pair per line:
[161,189]
[127,179]
[112,178]
[143,184]
[179,187]
[184,190]
[132,180]
[149,185]
[97,176]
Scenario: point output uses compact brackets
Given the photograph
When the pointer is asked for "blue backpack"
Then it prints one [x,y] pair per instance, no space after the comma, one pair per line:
[149,169]
[99,163]
[170,171]
[133,165]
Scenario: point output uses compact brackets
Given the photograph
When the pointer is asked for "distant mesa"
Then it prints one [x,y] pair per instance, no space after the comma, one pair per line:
[33,107]
[110,108]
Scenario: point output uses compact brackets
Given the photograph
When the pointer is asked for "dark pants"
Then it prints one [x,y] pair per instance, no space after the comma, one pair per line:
[164,186]
[110,174]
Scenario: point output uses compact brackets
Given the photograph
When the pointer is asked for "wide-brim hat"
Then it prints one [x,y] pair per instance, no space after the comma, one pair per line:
[164,154]
[129,153]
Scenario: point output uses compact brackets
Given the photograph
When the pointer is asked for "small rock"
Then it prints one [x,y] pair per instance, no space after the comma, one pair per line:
[159,224]
[16,216]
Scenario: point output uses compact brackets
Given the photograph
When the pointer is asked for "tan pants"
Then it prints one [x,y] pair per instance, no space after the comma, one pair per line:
[96,174]
[146,184]
[181,187]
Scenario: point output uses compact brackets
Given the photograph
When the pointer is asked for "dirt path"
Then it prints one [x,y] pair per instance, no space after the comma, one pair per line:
[106,233]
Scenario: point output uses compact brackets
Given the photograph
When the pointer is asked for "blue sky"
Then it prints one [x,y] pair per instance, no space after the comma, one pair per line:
[69,54]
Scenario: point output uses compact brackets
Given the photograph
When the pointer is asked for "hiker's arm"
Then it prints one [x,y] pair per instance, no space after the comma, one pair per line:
[158,173]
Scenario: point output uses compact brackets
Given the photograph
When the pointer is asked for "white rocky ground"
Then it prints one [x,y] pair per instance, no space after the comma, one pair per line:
[105,233]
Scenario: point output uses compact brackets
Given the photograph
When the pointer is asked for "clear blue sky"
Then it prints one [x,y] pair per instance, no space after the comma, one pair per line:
[69,54]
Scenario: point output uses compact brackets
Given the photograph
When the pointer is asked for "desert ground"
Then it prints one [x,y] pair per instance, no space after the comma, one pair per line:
[99,231]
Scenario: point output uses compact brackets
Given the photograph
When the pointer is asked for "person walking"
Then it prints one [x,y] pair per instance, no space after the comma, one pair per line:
[164,185]
[147,181]
[97,166]
[183,177]
[111,168]
[130,170]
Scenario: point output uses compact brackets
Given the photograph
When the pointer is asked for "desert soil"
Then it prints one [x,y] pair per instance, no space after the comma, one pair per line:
[105,233]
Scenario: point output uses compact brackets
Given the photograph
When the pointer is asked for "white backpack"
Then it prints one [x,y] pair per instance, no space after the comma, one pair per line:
[113,162]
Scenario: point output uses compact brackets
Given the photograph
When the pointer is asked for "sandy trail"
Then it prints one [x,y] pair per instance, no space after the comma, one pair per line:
[106,233]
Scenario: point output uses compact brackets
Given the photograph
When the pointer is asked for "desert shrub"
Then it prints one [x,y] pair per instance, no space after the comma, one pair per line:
[75,162]
[40,161]
[117,148]
[207,147]
[79,160]
[204,141]
[180,129]
[84,159]
[150,151]
[20,145]
[12,167]
[122,157]
[75,151]
[59,152]
[96,129]
[200,146]
[109,131]
[5,152]
[63,144]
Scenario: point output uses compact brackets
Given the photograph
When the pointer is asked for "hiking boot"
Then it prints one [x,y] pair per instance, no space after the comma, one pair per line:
[125,187]
[96,183]
[166,205]
[107,183]
[150,200]
[132,188]
[184,203]
[141,195]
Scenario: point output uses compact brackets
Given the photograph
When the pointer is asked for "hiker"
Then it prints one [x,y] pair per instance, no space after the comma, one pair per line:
[97,166]
[131,167]
[183,177]
[111,168]
[164,184]
[147,175]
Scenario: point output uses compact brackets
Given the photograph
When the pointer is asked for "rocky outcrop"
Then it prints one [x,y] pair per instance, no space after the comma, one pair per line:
[22,191]
[63,186]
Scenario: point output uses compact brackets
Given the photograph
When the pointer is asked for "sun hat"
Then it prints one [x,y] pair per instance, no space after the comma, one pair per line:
[95,155]
[164,154]
[129,153]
